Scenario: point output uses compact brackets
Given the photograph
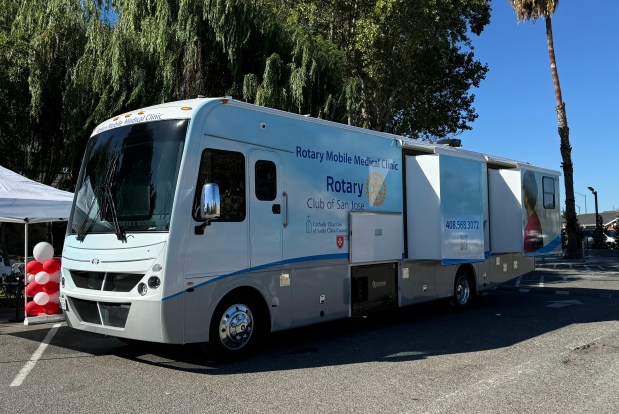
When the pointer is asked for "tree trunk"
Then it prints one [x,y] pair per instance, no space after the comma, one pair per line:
[571,221]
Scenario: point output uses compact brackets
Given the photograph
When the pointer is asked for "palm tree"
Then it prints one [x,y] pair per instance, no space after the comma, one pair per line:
[533,10]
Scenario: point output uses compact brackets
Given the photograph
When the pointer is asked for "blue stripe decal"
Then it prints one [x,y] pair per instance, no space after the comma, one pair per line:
[547,248]
[459,261]
[265,266]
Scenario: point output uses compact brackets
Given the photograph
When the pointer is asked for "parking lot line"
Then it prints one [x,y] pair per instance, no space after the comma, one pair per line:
[29,365]
[518,281]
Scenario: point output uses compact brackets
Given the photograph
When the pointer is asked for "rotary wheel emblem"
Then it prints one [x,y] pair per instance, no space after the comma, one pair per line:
[376,189]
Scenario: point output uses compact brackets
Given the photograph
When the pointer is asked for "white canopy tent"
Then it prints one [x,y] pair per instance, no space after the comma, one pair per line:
[25,201]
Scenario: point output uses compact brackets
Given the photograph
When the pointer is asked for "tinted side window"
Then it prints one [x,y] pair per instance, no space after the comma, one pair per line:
[227,169]
[266,180]
[548,185]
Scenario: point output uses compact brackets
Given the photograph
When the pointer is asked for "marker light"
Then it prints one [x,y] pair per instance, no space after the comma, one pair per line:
[142,289]
[186,108]
[62,281]
[127,115]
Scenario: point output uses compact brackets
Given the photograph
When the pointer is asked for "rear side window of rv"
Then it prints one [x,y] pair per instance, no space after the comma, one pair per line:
[227,169]
[548,185]
[266,180]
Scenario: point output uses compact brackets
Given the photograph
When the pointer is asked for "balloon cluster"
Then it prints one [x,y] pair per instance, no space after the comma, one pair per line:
[43,281]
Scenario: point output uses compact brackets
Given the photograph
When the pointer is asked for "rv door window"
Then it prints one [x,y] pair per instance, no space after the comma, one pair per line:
[227,169]
[266,180]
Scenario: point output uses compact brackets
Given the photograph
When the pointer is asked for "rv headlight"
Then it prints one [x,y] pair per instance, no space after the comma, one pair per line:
[142,288]
[154,282]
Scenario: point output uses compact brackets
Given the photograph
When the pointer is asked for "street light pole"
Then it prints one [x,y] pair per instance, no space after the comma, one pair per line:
[585,196]
[597,220]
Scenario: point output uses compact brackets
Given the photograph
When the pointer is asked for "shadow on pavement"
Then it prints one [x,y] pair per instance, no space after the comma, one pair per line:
[414,333]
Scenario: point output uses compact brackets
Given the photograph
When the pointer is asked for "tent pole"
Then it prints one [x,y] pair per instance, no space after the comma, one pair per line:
[25,263]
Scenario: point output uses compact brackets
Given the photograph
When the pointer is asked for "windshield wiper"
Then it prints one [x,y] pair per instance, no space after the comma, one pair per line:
[108,200]
[120,232]
[81,229]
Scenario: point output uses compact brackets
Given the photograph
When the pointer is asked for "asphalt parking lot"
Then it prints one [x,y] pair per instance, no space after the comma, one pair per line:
[592,277]
[547,342]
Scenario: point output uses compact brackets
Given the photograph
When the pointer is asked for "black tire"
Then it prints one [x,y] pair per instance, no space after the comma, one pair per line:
[236,328]
[464,289]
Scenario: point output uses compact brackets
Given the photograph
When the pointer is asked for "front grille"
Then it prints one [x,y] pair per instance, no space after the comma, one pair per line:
[114,314]
[110,282]
[101,313]
[86,310]
[121,282]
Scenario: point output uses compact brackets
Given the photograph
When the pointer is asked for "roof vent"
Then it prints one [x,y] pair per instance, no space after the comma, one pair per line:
[452,142]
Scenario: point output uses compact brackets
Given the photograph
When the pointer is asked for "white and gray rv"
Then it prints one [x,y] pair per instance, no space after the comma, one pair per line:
[216,221]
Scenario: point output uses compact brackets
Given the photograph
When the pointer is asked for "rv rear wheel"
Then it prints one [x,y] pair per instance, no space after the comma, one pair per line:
[464,288]
[236,327]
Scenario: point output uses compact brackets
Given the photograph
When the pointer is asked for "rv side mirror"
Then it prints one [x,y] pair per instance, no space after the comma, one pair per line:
[209,202]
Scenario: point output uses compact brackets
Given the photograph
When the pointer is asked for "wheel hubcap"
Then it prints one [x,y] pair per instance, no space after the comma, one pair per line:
[463,290]
[236,327]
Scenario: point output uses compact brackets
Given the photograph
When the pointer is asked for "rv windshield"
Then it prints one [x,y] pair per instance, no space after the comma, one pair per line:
[128,179]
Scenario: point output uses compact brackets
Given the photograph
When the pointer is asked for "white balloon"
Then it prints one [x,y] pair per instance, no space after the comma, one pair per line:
[41,278]
[43,251]
[30,277]
[55,277]
[41,298]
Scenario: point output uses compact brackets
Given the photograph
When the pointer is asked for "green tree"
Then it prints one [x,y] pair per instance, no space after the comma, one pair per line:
[534,10]
[409,64]
[390,65]
[14,95]
[161,51]
[40,41]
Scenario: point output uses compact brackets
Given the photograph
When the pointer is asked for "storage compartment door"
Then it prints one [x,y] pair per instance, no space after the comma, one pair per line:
[376,237]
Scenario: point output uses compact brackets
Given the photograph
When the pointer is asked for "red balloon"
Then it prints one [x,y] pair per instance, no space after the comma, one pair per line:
[33,288]
[51,287]
[33,309]
[52,265]
[51,308]
[34,267]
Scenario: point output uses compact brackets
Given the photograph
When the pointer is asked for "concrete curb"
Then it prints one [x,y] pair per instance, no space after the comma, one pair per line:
[35,320]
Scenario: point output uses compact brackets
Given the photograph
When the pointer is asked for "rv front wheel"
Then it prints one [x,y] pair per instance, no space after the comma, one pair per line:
[235,327]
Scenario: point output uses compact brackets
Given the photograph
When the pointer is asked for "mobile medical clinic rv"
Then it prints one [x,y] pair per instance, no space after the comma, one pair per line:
[216,221]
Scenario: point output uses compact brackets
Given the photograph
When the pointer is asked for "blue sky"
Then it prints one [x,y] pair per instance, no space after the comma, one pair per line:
[516,101]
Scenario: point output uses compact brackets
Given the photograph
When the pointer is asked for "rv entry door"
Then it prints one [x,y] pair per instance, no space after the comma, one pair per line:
[265,208]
